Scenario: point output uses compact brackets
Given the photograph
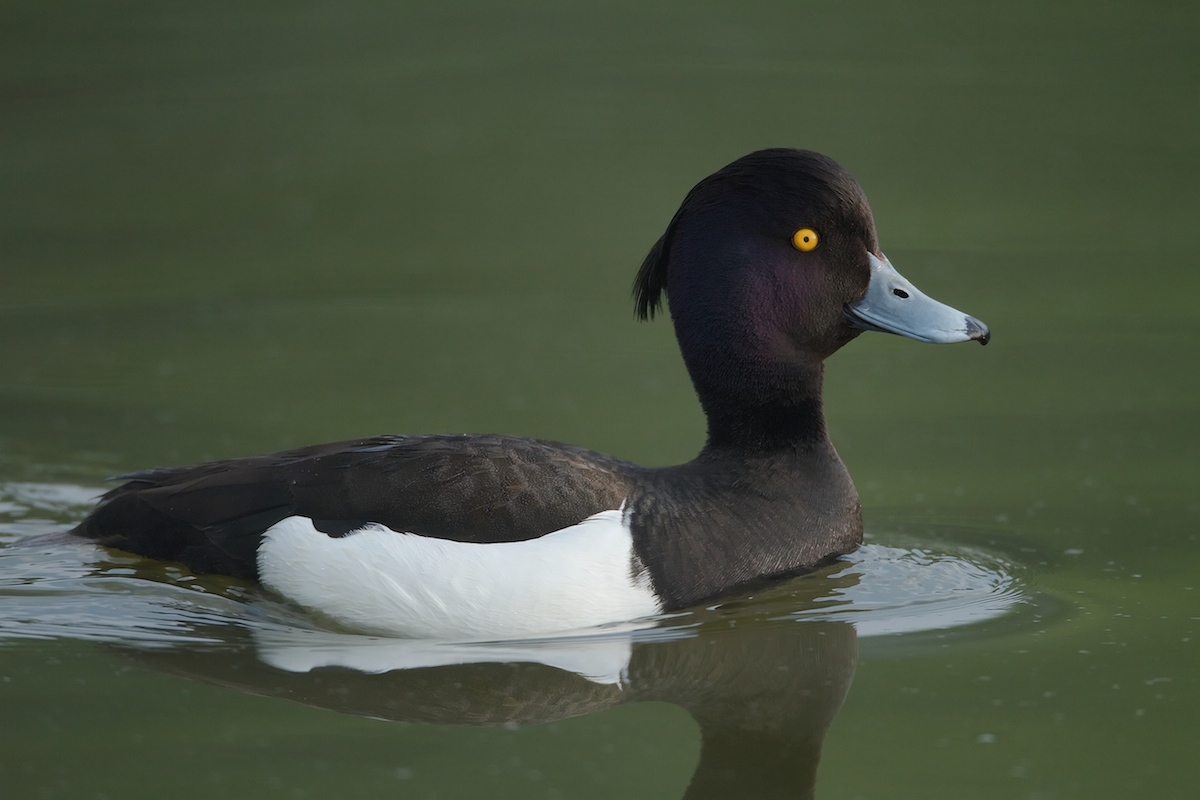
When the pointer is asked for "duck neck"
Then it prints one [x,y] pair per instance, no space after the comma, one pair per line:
[766,412]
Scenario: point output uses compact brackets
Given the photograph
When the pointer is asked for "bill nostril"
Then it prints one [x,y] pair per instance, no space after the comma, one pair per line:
[903,295]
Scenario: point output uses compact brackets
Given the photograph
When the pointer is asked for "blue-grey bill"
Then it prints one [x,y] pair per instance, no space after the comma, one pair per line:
[893,305]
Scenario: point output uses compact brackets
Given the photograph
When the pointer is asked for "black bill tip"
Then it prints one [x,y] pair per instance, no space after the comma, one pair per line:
[978,331]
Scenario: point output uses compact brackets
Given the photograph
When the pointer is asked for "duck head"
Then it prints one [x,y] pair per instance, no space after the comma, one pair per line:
[769,266]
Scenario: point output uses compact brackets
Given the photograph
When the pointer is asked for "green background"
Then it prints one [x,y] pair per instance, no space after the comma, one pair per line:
[228,228]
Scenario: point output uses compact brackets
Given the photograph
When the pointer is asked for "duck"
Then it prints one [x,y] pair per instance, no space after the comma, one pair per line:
[770,265]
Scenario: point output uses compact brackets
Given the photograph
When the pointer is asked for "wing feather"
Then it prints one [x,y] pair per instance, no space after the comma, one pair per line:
[464,488]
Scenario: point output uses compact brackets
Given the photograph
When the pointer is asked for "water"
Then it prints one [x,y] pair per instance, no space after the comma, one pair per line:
[226,231]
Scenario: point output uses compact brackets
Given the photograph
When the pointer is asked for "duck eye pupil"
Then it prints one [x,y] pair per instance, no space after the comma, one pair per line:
[903,295]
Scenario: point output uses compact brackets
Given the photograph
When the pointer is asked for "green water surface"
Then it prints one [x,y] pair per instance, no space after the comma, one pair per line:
[229,228]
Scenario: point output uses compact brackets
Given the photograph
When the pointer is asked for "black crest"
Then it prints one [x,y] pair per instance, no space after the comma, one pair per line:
[651,280]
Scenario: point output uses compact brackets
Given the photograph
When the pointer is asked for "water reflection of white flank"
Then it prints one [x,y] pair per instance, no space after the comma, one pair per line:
[600,659]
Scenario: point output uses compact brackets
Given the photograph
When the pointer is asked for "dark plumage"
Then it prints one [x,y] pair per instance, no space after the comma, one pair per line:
[466,488]
[755,317]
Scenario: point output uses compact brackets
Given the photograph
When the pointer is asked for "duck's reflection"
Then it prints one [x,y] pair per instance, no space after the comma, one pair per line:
[764,692]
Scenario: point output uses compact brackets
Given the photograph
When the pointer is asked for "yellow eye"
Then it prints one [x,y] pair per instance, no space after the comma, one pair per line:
[805,239]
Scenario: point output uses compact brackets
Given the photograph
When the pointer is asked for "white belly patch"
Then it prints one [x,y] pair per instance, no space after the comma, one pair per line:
[377,580]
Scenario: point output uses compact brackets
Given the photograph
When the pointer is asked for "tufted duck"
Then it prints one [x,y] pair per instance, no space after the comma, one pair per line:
[769,266]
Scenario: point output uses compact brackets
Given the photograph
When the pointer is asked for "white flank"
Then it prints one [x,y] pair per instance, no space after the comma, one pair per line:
[377,580]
